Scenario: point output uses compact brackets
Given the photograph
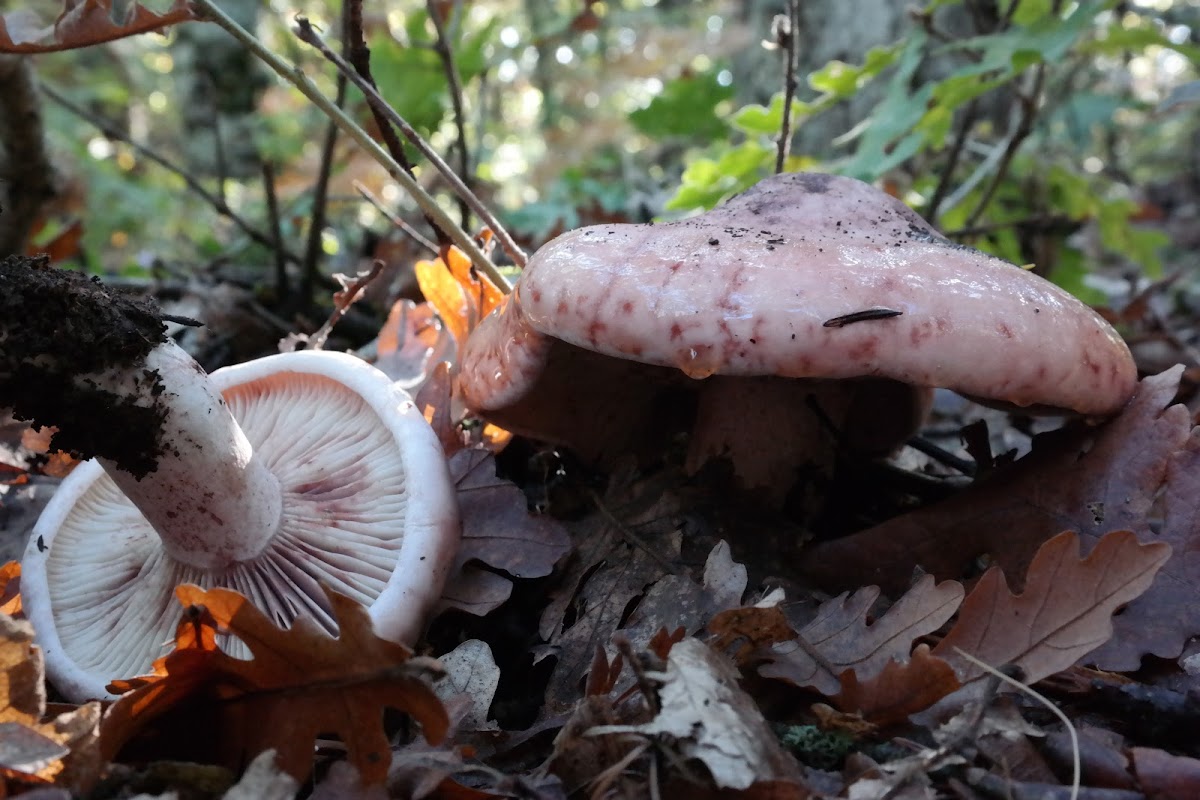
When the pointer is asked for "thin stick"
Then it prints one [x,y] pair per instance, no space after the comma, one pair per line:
[359,56]
[393,218]
[788,37]
[219,205]
[295,76]
[342,301]
[305,31]
[1055,710]
[442,46]
[320,190]
[1022,129]
[281,276]
[965,123]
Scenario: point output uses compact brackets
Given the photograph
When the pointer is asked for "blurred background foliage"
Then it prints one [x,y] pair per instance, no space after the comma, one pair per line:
[1060,134]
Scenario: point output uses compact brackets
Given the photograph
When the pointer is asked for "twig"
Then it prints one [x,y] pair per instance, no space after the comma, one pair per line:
[965,123]
[395,219]
[28,172]
[295,76]
[220,206]
[1055,710]
[210,94]
[281,276]
[305,32]
[645,685]
[320,192]
[787,34]
[1020,131]
[342,301]
[442,46]
[359,56]
[938,453]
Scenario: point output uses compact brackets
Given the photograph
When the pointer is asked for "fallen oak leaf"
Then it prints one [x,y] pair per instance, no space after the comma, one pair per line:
[1151,623]
[840,638]
[1090,481]
[83,23]
[1064,612]
[300,682]
[899,690]
[497,530]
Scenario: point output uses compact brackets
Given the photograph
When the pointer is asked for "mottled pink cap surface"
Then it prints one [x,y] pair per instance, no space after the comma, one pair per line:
[774,282]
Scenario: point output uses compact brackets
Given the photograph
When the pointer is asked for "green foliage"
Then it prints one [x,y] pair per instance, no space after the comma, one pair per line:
[410,73]
[686,107]
[580,187]
[913,127]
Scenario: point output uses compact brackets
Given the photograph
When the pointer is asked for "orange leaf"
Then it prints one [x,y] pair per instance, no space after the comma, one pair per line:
[454,305]
[83,23]
[300,683]
[10,588]
[899,690]
[840,637]
[485,295]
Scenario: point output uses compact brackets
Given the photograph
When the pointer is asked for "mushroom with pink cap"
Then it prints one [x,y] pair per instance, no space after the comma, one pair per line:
[271,478]
[804,276]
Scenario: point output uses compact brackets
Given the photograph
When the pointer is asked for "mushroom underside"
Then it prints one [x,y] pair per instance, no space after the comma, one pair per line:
[771,428]
[106,600]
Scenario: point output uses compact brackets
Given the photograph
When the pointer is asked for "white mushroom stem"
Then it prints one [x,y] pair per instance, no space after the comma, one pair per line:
[210,500]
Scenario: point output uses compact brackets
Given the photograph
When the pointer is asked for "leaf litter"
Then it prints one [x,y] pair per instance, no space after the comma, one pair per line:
[671,663]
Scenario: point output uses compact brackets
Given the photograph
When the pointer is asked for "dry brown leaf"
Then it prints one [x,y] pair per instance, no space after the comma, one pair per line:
[1063,613]
[497,530]
[1163,776]
[742,632]
[703,714]
[843,639]
[301,682]
[1151,622]
[62,749]
[83,23]
[412,342]
[434,400]
[899,690]
[1091,481]
[57,464]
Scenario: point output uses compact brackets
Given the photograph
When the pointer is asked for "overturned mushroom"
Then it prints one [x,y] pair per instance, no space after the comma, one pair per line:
[269,477]
[806,276]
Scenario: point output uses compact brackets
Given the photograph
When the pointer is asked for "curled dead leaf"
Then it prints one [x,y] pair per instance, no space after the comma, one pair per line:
[301,682]
[83,23]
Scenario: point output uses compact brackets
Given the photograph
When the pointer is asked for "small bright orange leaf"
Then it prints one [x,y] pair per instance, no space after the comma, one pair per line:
[478,286]
[447,295]
[10,588]
[461,294]
[301,682]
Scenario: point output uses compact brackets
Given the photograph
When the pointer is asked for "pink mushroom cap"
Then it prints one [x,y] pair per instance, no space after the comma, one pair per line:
[776,282]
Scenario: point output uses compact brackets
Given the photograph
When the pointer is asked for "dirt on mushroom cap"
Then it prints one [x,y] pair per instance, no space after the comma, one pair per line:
[747,289]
